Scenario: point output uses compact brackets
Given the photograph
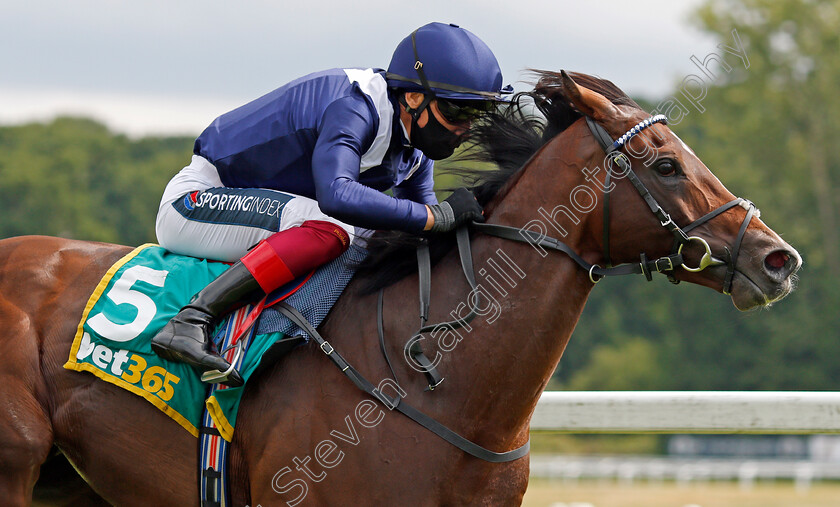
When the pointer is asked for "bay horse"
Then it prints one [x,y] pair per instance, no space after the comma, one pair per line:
[304,432]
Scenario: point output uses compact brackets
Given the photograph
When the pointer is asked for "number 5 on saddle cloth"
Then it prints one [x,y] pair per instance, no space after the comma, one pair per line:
[144,289]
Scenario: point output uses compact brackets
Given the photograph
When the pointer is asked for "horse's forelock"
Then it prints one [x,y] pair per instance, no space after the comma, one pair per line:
[549,86]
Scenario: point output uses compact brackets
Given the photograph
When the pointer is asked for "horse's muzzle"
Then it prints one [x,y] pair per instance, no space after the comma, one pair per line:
[764,273]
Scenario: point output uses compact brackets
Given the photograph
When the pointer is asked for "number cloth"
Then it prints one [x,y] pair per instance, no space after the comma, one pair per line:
[143,290]
[135,298]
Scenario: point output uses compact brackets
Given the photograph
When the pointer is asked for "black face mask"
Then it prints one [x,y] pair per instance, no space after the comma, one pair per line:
[434,140]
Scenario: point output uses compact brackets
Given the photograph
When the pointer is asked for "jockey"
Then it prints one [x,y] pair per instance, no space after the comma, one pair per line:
[296,170]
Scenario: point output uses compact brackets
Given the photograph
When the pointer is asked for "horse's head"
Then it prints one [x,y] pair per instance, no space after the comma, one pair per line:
[728,248]
[630,193]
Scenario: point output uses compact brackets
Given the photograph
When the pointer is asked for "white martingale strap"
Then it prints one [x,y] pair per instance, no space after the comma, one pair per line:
[621,141]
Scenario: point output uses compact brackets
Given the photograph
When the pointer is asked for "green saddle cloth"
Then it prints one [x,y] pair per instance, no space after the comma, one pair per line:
[137,297]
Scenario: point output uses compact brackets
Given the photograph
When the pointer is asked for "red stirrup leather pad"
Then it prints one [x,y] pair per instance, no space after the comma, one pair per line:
[293,252]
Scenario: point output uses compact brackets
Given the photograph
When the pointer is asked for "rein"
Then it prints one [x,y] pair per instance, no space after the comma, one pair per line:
[665,265]
[396,403]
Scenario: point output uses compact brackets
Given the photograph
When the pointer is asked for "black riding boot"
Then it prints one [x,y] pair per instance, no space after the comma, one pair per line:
[186,337]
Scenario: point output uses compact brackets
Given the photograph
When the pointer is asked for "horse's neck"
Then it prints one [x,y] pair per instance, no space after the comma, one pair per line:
[495,368]
[502,363]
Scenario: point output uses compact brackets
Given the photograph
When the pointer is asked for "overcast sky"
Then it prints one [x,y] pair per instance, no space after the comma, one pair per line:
[171,66]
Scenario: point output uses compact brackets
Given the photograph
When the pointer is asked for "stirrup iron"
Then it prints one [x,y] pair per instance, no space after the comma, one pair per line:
[216,376]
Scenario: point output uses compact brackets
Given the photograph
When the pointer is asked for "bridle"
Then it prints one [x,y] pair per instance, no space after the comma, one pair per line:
[681,237]
[413,350]
[665,265]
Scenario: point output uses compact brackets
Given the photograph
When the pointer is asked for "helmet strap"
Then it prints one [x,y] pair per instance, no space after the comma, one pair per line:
[416,112]
[418,65]
[428,95]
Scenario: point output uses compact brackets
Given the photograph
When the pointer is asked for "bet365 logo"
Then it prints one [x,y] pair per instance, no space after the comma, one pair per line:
[131,368]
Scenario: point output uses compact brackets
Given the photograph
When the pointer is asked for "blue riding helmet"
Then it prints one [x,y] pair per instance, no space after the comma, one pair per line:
[447,61]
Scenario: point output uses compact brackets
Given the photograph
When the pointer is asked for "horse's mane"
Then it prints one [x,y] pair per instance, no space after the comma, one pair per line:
[505,138]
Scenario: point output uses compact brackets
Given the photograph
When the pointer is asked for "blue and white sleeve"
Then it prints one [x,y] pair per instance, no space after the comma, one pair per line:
[420,187]
[347,130]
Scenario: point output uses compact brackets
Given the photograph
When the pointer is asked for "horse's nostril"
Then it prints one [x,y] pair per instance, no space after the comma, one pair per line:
[776,260]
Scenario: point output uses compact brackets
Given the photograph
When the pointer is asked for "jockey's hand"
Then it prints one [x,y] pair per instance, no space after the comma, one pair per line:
[459,208]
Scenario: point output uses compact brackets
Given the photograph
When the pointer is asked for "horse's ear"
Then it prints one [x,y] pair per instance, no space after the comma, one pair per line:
[588,102]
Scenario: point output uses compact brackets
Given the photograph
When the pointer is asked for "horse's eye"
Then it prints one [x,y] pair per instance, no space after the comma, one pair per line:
[666,167]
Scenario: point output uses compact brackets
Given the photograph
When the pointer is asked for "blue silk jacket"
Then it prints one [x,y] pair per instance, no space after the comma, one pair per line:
[334,136]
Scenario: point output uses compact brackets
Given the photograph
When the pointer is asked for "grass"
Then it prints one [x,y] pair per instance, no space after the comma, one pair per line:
[594,493]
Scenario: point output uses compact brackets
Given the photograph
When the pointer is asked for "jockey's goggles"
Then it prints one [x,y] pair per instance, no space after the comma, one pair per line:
[462,111]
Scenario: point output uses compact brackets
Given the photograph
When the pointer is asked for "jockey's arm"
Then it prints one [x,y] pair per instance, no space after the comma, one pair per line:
[347,130]
[420,187]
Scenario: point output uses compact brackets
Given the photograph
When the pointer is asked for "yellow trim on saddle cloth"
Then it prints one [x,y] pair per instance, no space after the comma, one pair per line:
[160,404]
[71,363]
[218,416]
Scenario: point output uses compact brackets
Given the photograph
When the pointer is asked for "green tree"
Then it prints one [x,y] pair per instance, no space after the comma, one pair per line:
[767,131]
[74,178]
[633,362]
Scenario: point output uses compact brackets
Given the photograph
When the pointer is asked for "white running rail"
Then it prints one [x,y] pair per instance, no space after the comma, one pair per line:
[781,412]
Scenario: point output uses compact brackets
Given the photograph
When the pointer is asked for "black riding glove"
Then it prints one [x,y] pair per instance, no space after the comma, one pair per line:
[459,208]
